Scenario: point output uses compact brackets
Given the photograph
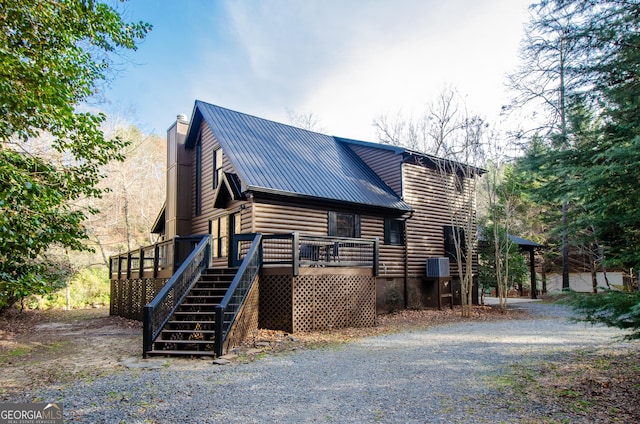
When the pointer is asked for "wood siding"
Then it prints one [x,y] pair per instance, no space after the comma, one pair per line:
[273,218]
[200,223]
[391,260]
[436,204]
[387,164]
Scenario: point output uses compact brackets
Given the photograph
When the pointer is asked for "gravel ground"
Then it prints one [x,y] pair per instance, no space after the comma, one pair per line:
[443,374]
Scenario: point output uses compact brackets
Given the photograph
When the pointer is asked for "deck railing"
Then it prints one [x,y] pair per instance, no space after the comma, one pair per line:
[298,250]
[229,307]
[159,310]
[159,260]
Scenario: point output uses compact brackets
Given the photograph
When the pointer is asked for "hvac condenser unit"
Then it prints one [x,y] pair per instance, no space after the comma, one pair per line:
[437,267]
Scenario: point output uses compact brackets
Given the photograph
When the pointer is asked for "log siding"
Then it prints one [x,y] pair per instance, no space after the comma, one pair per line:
[436,204]
[200,223]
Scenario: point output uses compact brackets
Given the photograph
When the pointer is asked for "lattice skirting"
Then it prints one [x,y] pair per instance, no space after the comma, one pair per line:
[275,302]
[128,297]
[247,321]
[317,302]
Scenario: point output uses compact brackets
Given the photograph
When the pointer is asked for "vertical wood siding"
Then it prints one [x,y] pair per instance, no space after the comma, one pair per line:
[386,164]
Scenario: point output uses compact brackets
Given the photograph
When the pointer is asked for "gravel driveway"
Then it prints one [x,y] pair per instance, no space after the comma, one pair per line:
[442,374]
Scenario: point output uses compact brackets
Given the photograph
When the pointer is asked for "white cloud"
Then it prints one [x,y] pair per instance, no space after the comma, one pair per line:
[345,61]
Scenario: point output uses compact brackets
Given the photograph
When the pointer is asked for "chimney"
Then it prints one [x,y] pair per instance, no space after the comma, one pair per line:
[178,207]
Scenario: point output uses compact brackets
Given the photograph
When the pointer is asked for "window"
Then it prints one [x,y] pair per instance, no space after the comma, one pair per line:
[459,183]
[344,225]
[222,229]
[394,232]
[220,236]
[217,167]
[450,235]
[198,178]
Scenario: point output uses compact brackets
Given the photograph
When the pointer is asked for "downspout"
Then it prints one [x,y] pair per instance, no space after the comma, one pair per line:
[406,262]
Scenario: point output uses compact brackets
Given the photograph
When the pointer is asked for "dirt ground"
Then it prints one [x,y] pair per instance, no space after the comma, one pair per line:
[43,348]
[39,349]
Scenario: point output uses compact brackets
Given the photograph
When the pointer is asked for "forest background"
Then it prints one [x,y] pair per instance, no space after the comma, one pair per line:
[77,187]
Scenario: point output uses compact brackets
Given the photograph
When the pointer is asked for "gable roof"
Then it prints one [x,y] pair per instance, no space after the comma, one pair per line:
[278,159]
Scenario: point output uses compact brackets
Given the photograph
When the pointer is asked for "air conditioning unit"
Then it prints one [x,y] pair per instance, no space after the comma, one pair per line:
[437,267]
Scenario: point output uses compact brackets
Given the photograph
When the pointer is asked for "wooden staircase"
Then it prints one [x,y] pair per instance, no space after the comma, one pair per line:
[191,329]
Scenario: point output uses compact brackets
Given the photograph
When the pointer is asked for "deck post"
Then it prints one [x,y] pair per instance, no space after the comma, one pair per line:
[207,253]
[219,325]
[233,251]
[295,258]
[141,267]
[119,267]
[147,330]
[175,255]
[156,259]
[128,265]
[376,256]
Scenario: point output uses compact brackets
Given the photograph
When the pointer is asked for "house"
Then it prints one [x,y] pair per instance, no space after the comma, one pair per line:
[585,271]
[330,231]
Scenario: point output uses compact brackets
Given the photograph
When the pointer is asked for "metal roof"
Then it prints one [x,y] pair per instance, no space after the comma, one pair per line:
[275,158]
[424,159]
[522,242]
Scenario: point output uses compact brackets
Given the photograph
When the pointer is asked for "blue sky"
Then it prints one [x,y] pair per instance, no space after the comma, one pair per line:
[345,61]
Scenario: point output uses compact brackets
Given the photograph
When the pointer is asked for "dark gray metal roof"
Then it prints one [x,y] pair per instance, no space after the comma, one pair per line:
[522,242]
[279,159]
[413,155]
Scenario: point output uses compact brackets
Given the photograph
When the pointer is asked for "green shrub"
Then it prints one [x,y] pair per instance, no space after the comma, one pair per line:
[88,287]
[613,308]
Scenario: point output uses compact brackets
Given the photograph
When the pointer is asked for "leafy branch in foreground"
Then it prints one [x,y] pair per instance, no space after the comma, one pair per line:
[53,56]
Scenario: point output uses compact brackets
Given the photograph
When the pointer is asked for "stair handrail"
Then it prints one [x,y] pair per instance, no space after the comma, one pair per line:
[238,290]
[157,312]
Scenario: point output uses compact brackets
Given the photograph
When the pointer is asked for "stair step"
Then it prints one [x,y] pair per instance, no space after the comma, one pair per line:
[204,296]
[208,291]
[181,352]
[220,277]
[215,277]
[184,342]
[190,331]
[218,271]
[204,280]
[193,323]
